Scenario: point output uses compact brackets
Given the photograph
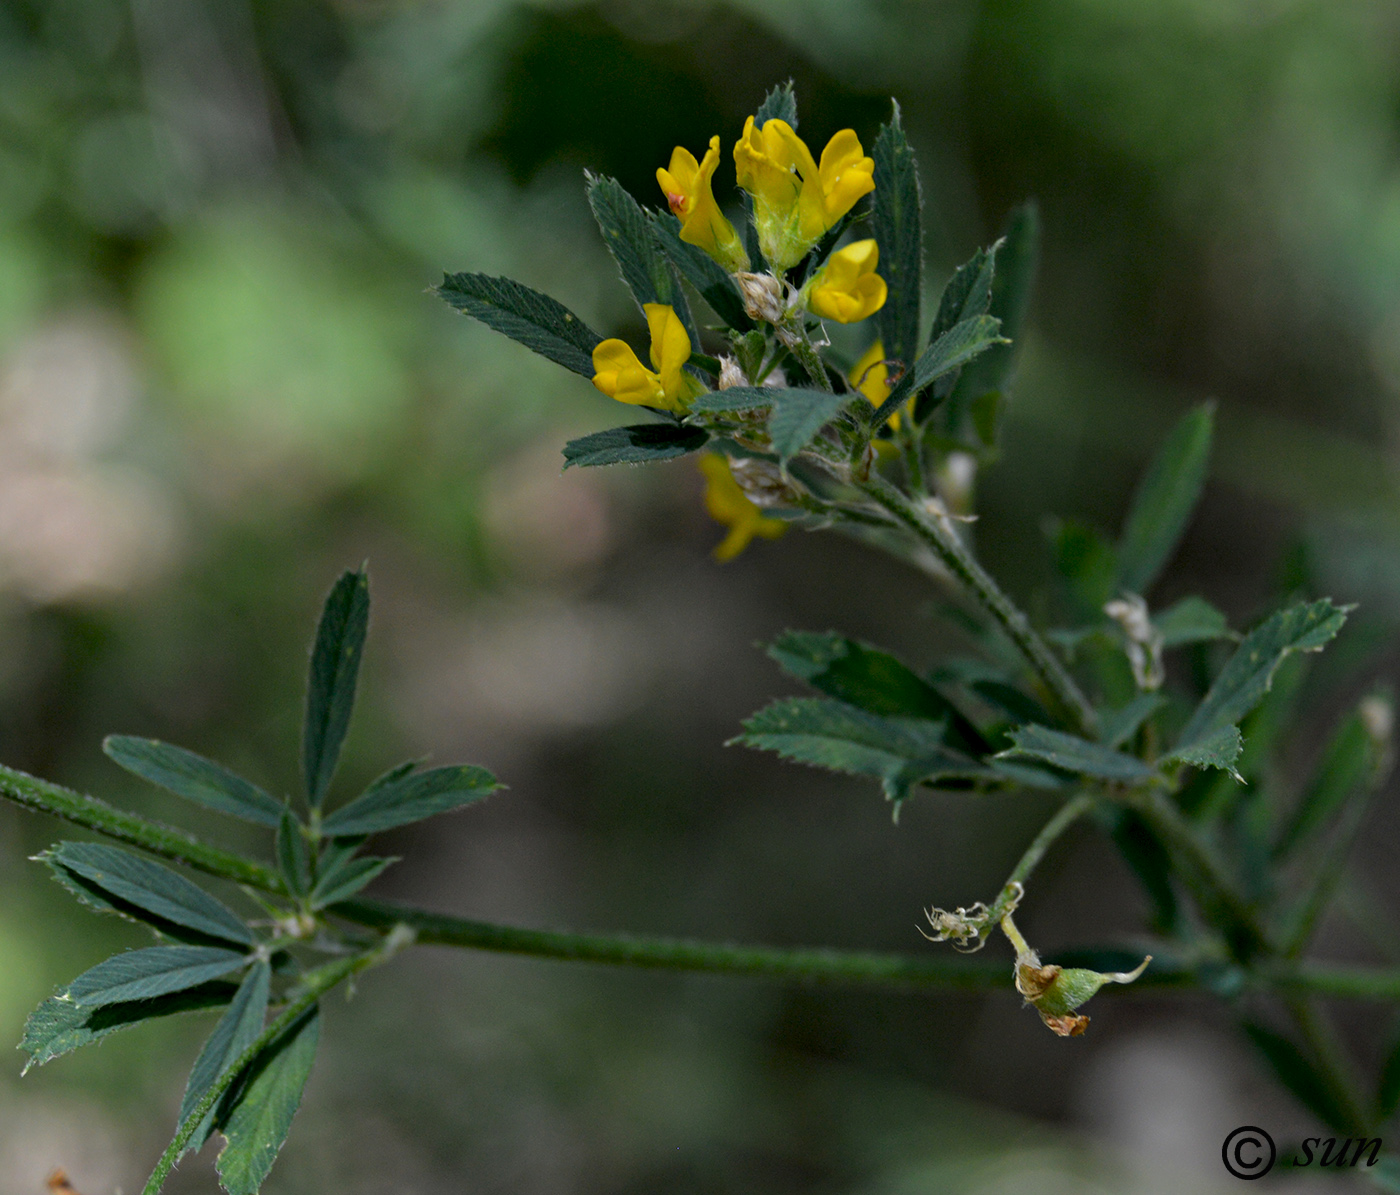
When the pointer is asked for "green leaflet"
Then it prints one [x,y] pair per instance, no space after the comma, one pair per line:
[293,854]
[1088,564]
[236,1031]
[1249,673]
[1165,499]
[896,221]
[1074,754]
[154,971]
[967,295]
[343,881]
[900,752]
[1219,750]
[193,777]
[538,322]
[702,272]
[1191,620]
[1116,727]
[960,344]
[330,690]
[1347,763]
[636,445]
[58,1027]
[645,269]
[779,104]
[411,798]
[260,1109]
[143,886]
[991,372]
[871,680]
[798,414]
[736,398]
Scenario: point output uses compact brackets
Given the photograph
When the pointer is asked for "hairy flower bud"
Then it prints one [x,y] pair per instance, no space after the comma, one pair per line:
[763,296]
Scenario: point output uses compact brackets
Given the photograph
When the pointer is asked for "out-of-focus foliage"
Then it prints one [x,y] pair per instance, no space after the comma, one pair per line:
[221,382]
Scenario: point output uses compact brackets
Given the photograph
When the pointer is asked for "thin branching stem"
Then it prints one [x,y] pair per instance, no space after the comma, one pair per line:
[814,965]
[1333,1064]
[964,565]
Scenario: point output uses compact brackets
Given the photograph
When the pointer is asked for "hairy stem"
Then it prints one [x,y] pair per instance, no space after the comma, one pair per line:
[835,966]
[963,565]
[89,812]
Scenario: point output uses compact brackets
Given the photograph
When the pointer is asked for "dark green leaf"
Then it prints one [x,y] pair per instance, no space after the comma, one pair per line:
[736,398]
[798,414]
[968,293]
[959,345]
[411,799]
[636,445]
[1009,702]
[58,1027]
[293,853]
[871,680]
[256,1123]
[1074,754]
[637,250]
[1300,1075]
[896,221]
[193,777]
[142,885]
[236,1031]
[779,104]
[154,971]
[1191,620]
[1165,498]
[702,271]
[901,752]
[1151,863]
[526,316]
[1249,673]
[991,372]
[1347,764]
[330,690]
[1219,750]
[1116,727]
[344,881]
[1088,564]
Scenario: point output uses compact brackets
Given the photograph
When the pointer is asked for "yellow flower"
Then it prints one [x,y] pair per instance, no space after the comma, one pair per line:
[686,184]
[620,375]
[728,504]
[847,288]
[870,376]
[796,201]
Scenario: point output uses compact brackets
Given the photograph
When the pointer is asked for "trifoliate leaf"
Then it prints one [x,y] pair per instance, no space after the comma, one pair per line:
[636,445]
[896,221]
[193,777]
[526,316]
[154,971]
[330,690]
[1074,754]
[410,799]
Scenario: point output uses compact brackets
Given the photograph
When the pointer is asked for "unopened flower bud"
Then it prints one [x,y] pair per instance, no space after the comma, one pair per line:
[1144,646]
[763,296]
[762,482]
[730,375]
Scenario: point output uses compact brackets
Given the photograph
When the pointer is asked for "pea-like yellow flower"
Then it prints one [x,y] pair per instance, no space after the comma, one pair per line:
[847,288]
[870,376]
[728,504]
[619,374]
[687,184]
[797,201]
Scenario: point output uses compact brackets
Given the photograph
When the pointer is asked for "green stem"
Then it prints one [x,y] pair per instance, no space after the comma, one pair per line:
[1067,814]
[166,841]
[1204,871]
[836,966]
[315,984]
[963,565]
[1333,1065]
[808,357]
[859,968]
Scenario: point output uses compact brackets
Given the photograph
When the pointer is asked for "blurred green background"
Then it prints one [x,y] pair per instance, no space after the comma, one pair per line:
[222,382]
